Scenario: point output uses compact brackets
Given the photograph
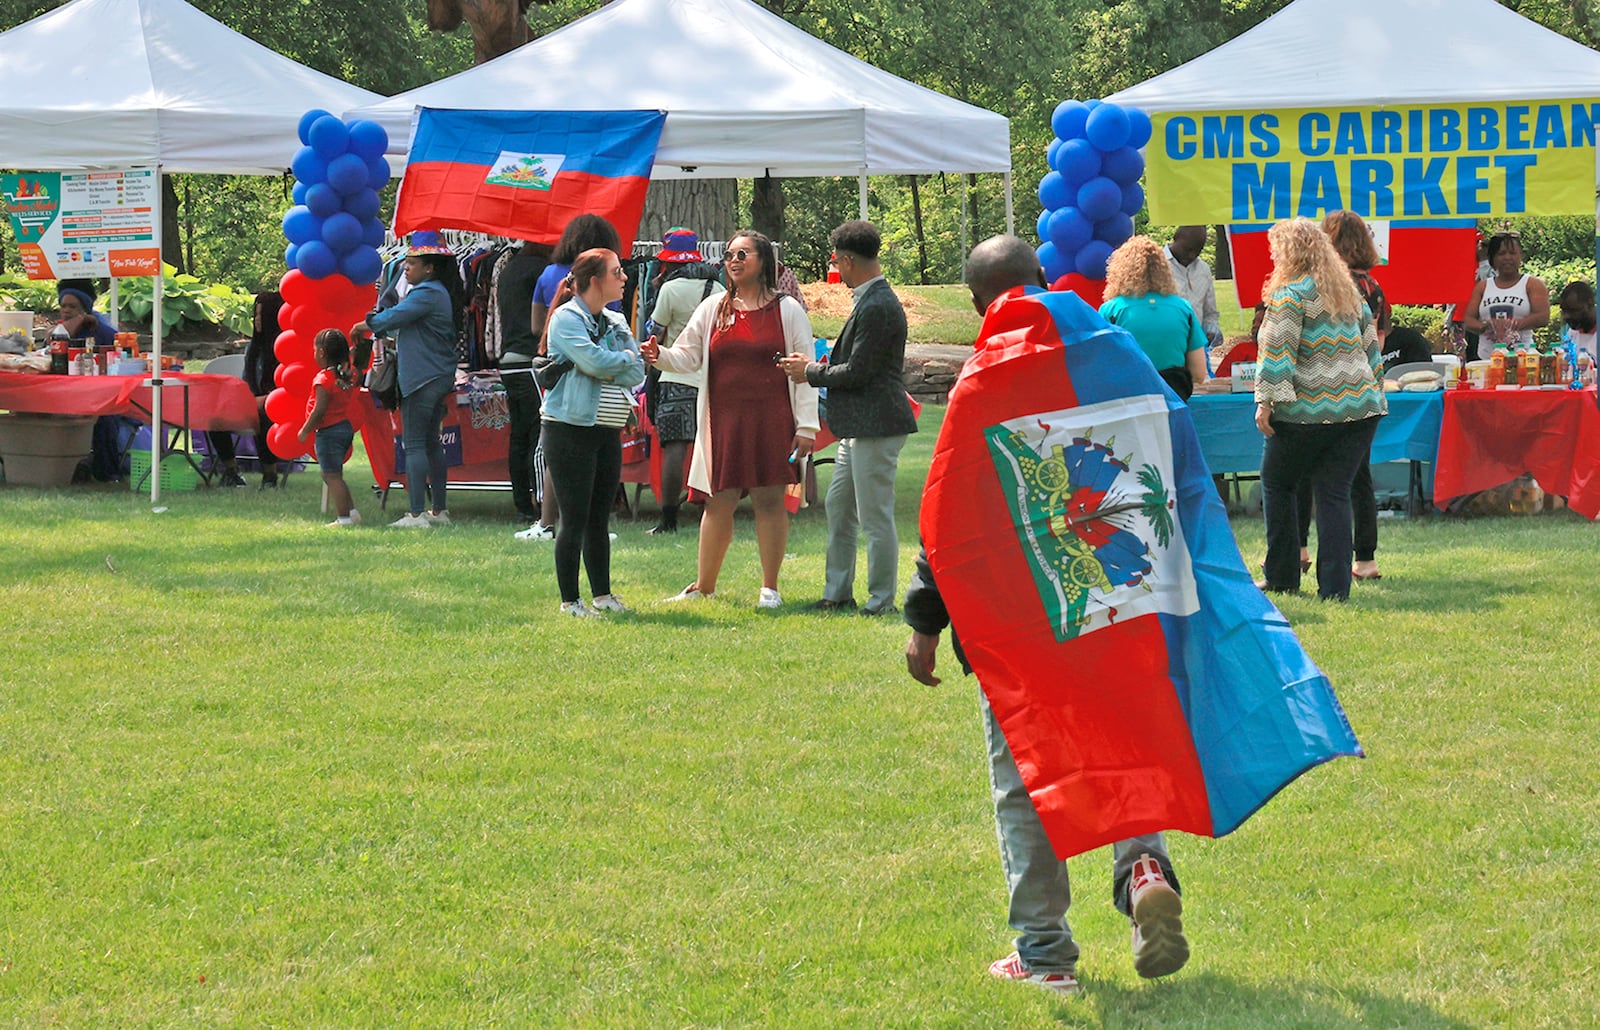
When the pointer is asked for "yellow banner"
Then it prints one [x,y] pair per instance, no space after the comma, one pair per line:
[1422,162]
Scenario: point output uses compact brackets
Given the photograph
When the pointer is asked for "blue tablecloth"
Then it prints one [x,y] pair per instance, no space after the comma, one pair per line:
[1226,425]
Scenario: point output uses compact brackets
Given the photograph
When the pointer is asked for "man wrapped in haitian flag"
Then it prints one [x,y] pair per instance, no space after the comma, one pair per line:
[1140,680]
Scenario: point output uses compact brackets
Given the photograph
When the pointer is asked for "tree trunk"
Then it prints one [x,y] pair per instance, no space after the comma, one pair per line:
[970,183]
[1222,267]
[708,206]
[171,245]
[922,243]
[767,208]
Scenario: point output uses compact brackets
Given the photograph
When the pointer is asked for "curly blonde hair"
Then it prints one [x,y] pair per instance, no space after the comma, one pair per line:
[1300,248]
[1138,267]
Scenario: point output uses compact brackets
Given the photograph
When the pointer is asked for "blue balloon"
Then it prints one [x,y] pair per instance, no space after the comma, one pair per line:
[1077,161]
[1091,260]
[1055,265]
[1116,230]
[1107,127]
[1099,198]
[301,226]
[363,203]
[1139,127]
[1050,151]
[1070,230]
[329,137]
[1092,104]
[377,173]
[368,140]
[362,265]
[291,254]
[316,260]
[309,167]
[323,200]
[1043,224]
[1132,199]
[342,232]
[307,120]
[1123,165]
[347,173]
[1068,119]
[373,232]
[299,192]
[1053,191]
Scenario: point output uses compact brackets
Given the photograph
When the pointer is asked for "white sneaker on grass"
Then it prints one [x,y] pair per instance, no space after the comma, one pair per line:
[577,608]
[409,521]
[441,518]
[537,531]
[769,599]
[690,593]
[355,516]
[608,603]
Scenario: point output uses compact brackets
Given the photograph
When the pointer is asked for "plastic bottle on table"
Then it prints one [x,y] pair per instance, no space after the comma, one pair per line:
[58,350]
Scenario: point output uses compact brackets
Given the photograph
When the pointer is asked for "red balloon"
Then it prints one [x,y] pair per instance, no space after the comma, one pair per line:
[1091,291]
[284,440]
[297,378]
[277,374]
[293,286]
[309,319]
[288,347]
[281,406]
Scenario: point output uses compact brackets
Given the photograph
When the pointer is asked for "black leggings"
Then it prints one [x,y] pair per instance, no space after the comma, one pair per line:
[584,464]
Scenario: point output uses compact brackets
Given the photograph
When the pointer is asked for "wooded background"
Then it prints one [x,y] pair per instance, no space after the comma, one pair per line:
[1017,57]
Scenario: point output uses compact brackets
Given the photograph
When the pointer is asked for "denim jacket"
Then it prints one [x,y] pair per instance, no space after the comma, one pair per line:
[600,351]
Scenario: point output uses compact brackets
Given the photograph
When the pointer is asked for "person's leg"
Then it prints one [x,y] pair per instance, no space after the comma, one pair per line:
[1302,508]
[877,459]
[716,533]
[571,468]
[438,471]
[269,461]
[1146,891]
[772,531]
[1283,464]
[1125,853]
[1345,446]
[839,567]
[522,406]
[1364,508]
[550,508]
[1036,880]
[607,449]
[414,432]
[672,458]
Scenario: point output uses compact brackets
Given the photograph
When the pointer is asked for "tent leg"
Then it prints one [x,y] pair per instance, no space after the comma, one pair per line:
[964,248]
[861,192]
[1011,214]
[157,435]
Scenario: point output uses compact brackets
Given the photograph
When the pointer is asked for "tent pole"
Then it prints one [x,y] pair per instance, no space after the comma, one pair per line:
[861,192]
[964,247]
[113,302]
[1011,214]
[157,434]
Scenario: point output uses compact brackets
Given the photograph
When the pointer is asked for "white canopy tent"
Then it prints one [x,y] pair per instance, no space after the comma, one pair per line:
[746,94]
[118,83]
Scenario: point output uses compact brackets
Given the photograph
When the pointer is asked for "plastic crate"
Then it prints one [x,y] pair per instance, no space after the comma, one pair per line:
[176,472]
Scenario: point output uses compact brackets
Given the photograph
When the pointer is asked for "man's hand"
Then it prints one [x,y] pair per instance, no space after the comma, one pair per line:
[921,652]
[794,366]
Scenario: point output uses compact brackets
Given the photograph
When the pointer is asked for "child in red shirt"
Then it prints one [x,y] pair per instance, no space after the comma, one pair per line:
[328,416]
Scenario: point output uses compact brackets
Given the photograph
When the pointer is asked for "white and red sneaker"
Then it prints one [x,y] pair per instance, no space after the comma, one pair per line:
[1159,946]
[1013,968]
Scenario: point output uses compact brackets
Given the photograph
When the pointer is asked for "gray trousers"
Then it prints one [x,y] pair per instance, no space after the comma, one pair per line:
[1035,878]
[861,501]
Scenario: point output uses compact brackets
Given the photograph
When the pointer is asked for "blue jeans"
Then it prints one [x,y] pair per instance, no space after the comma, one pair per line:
[861,500]
[1328,456]
[333,443]
[422,416]
[1035,878]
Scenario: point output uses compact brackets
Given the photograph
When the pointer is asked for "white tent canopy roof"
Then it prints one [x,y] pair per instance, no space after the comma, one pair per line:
[745,92]
[1370,53]
[112,83]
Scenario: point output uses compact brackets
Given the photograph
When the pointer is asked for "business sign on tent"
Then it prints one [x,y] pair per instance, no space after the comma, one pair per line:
[81,224]
[1427,161]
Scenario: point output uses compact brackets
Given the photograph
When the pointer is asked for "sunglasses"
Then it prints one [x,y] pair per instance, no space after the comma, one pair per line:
[737,255]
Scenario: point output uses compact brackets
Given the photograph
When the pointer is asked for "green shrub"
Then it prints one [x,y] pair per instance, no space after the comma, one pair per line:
[1431,321]
[186,301]
[19,293]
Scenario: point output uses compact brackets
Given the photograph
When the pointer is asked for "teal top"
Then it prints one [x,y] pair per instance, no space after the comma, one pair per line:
[1163,324]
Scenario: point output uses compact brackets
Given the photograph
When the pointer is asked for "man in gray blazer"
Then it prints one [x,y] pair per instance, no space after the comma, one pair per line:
[868,410]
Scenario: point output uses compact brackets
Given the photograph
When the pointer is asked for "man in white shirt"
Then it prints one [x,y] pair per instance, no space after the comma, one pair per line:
[1194,280]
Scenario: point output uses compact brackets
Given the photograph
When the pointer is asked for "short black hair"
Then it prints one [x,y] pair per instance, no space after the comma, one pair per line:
[859,238]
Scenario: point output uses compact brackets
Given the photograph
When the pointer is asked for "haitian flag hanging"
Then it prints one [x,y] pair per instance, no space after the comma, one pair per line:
[526,174]
[1141,679]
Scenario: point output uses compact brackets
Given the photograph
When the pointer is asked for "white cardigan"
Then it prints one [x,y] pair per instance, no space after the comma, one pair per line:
[692,352]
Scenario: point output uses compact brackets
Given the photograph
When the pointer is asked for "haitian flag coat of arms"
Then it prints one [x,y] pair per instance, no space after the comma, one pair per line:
[1142,681]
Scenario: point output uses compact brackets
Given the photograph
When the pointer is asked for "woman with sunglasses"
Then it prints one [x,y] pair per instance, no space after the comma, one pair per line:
[583,416]
[755,426]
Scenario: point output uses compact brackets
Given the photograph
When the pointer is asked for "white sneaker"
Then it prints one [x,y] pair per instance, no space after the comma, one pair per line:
[608,603]
[355,517]
[690,593]
[769,599]
[409,521]
[341,521]
[577,608]
[537,531]
[440,519]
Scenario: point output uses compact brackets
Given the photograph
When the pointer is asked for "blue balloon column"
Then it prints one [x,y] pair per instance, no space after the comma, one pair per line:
[1092,191]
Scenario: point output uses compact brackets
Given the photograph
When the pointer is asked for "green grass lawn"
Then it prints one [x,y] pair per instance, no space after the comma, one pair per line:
[255,771]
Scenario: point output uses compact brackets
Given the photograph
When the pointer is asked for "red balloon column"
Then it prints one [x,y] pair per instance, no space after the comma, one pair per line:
[333,232]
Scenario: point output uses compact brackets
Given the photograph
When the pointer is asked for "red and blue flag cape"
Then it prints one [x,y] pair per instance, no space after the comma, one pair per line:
[527,174]
[1142,681]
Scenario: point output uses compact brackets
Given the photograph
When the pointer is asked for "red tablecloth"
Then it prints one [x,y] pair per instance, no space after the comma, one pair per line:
[215,402]
[1490,437]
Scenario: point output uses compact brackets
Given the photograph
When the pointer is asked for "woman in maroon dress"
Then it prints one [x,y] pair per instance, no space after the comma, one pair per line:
[755,426]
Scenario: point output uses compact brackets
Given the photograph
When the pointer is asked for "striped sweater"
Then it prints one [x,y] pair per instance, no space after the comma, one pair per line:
[1314,368]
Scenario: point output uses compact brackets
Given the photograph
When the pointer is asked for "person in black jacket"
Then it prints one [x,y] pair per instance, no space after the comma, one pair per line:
[869,411]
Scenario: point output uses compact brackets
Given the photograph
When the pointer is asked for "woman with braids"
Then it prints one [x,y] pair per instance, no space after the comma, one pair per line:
[425,325]
[754,426]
